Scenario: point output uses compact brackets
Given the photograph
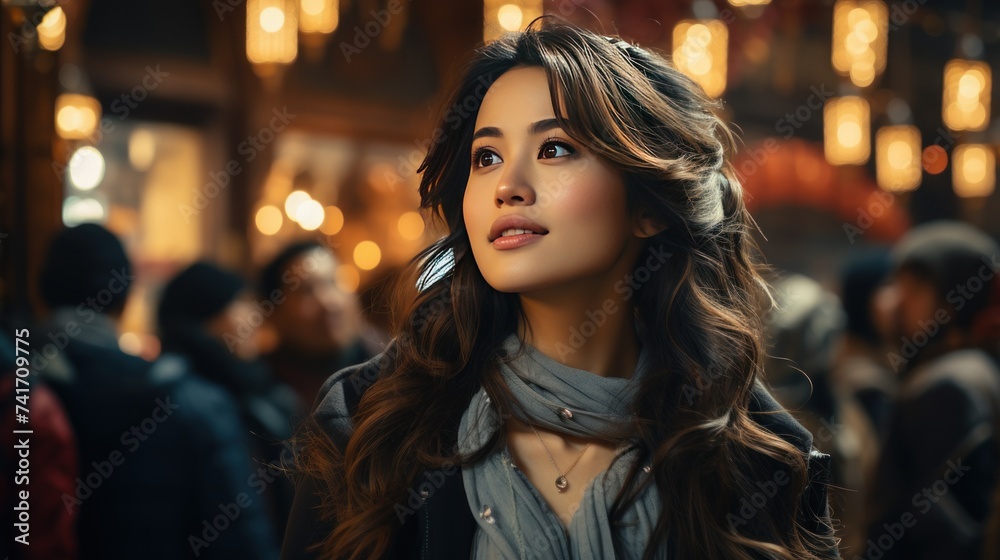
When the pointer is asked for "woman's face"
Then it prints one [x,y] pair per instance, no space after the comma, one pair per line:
[524,165]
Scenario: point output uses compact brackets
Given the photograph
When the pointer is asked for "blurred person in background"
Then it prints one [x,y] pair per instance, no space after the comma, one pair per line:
[863,384]
[163,458]
[52,467]
[937,475]
[320,327]
[206,315]
[803,332]
[860,370]
[986,334]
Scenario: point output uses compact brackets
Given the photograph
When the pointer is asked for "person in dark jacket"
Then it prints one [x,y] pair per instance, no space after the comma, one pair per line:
[576,366]
[163,456]
[206,316]
[938,471]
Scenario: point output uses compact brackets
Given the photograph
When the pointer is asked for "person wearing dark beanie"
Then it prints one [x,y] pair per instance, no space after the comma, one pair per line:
[199,292]
[86,265]
[939,465]
[205,316]
[955,261]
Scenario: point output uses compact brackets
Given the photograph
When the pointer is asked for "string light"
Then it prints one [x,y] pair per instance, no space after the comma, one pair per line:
[860,39]
[897,158]
[966,99]
[973,170]
[846,130]
[272,34]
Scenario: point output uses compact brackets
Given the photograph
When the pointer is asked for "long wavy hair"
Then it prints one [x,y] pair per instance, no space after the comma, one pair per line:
[699,317]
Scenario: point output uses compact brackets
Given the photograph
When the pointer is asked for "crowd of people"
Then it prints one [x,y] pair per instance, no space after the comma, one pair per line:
[186,456]
[897,377]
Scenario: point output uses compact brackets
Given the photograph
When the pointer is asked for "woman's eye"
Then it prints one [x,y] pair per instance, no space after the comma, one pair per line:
[555,150]
[485,158]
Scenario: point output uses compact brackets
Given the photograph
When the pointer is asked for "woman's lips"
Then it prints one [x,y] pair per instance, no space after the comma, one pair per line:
[512,223]
[514,241]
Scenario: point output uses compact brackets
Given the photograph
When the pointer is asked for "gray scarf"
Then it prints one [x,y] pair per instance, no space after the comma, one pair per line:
[514,521]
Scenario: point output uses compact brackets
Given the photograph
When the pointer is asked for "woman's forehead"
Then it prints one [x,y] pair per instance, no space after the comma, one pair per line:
[516,99]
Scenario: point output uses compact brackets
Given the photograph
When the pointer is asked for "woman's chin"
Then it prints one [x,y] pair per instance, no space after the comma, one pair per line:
[517,285]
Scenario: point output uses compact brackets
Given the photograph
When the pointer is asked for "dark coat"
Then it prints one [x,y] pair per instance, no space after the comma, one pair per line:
[160,451]
[443,526]
[267,408]
[935,481]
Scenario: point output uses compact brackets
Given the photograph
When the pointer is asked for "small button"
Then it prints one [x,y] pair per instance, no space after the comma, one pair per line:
[566,413]
[425,493]
[646,469]
[487,514]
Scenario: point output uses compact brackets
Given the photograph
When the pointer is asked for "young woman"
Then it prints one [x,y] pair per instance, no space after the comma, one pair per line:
[579,375]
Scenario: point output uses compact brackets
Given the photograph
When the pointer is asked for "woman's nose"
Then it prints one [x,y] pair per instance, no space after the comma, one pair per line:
[514,189]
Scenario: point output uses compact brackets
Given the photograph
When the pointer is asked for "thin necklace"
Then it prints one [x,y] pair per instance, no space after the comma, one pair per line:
[561,483]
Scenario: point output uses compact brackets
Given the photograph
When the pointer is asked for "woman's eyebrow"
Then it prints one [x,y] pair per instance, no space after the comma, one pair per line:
[488,131]
[542,126]
[535,128]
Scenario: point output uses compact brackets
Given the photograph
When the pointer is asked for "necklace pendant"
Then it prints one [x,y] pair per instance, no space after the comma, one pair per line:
[562,484]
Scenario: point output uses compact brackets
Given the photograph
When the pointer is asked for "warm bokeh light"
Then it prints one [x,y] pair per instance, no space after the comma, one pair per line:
[509,16]
[52,29]
[269,219]
[860,39]
[742,3]
[846,130]
[700,51]
[334,221]
[862,75]
[272,32]
[293,201]
[897,158]
[348,278]
[309,215]
[934,159]
[973,170]
[966,99]
[272,19]
[367,255]
[319,16]
[86,168]
[141,149]
[411,226]
[77,116]
[78,210]
[501,16]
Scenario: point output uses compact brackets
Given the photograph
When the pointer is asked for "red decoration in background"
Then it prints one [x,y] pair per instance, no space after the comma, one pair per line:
[795,173]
